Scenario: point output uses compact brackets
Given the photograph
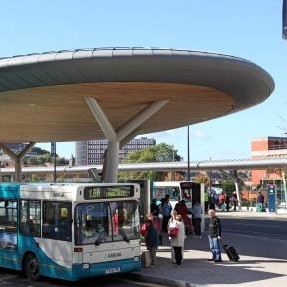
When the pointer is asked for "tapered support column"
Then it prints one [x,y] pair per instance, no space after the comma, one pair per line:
[18,169]
[113,161]
[17,158]
[114,137]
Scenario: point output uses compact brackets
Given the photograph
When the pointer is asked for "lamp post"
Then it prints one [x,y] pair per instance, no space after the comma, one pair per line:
[188,160]
[173,173]
[54,155]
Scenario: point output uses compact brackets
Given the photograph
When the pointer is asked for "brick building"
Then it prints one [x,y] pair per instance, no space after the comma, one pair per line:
[266,148]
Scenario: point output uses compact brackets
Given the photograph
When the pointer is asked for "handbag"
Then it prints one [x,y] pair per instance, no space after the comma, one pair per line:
[173,232]
[143,229]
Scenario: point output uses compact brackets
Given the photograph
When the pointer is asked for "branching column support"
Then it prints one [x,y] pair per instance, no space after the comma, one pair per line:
[115,137]
[17,158]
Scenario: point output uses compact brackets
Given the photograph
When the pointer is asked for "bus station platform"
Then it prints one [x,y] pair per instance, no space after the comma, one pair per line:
[196,270]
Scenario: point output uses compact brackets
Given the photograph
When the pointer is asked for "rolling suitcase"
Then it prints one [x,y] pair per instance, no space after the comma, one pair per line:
[231,253]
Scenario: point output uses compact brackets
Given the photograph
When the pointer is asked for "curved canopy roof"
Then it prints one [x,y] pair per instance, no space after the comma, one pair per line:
[42,95]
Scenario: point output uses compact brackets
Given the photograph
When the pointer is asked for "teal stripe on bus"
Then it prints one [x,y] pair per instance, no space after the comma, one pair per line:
[10,190]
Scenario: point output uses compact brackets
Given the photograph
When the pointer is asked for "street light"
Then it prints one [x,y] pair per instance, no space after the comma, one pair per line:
[54,154]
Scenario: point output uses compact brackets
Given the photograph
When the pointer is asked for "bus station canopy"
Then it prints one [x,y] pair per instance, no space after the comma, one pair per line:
[42,95]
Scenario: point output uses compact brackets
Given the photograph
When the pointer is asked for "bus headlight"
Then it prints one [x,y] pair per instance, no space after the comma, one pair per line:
[86,266]
[136,259]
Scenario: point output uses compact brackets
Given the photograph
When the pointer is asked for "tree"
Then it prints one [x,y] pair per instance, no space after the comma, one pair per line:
[34,178]
[228,185]
[202,178]
[159,153]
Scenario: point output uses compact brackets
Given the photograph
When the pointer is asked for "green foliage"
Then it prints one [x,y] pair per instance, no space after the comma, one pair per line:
[45,158]
[159,153]
[34,178]
[228,186]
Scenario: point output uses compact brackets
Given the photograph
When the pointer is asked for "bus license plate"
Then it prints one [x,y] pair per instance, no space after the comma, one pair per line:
[113,270]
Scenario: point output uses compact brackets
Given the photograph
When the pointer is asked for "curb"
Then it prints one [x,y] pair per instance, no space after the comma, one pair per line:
[161,281]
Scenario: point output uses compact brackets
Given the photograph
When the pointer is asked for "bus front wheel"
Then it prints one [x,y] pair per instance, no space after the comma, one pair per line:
[32,267]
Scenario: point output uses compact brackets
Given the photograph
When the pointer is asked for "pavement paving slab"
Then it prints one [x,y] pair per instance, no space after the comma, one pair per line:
[198,271]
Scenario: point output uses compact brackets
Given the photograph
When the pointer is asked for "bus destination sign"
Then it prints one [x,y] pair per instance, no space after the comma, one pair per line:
[102,192]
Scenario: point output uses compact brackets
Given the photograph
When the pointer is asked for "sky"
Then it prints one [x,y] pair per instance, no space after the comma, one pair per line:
[249,29]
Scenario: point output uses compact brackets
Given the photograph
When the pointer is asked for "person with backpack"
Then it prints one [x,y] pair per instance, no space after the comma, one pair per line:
[152,241]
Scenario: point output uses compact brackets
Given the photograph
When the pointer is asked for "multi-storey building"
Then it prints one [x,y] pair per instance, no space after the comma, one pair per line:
[92,152]
[267,147]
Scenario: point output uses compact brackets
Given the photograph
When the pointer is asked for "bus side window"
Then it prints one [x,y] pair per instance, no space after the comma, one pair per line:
[57,223]
[8,215]
[30,211]
[175,193]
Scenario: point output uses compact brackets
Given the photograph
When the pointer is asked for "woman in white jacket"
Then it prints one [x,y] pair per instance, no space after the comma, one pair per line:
[177,242]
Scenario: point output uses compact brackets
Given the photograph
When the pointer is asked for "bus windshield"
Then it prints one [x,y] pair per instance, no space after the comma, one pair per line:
[100,222]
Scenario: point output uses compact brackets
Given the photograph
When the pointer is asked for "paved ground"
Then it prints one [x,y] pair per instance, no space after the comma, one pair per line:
[198,271]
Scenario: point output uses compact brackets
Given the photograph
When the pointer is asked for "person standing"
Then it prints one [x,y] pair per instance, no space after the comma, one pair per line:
[260,202]
[166,210]
[154,209]
[177,242]
[196,218]
[221,200]
[152,241]
[214,235]
[212,200]
[181,209]
[172,223]
[234,199]
[227,199]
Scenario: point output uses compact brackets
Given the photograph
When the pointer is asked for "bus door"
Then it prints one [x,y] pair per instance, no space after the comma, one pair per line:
[190,192]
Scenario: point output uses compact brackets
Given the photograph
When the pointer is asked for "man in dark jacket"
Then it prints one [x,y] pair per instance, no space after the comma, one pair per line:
[260,202]
[152,241]
[214,234]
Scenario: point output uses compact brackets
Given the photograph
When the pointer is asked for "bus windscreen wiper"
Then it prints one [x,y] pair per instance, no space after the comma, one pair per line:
[99,238]
[123,234]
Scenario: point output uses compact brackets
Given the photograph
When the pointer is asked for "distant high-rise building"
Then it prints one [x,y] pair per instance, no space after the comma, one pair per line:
[92,152]
[267,148]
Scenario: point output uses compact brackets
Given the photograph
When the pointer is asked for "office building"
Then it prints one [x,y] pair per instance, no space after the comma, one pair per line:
[92,152]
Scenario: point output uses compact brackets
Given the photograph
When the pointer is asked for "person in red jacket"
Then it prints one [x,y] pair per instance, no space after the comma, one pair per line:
[181,209]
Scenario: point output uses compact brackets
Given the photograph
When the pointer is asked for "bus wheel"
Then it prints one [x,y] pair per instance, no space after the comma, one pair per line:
[32,267]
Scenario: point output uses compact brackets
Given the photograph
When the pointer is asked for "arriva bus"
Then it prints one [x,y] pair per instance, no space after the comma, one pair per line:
[69,231]
[178,190]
